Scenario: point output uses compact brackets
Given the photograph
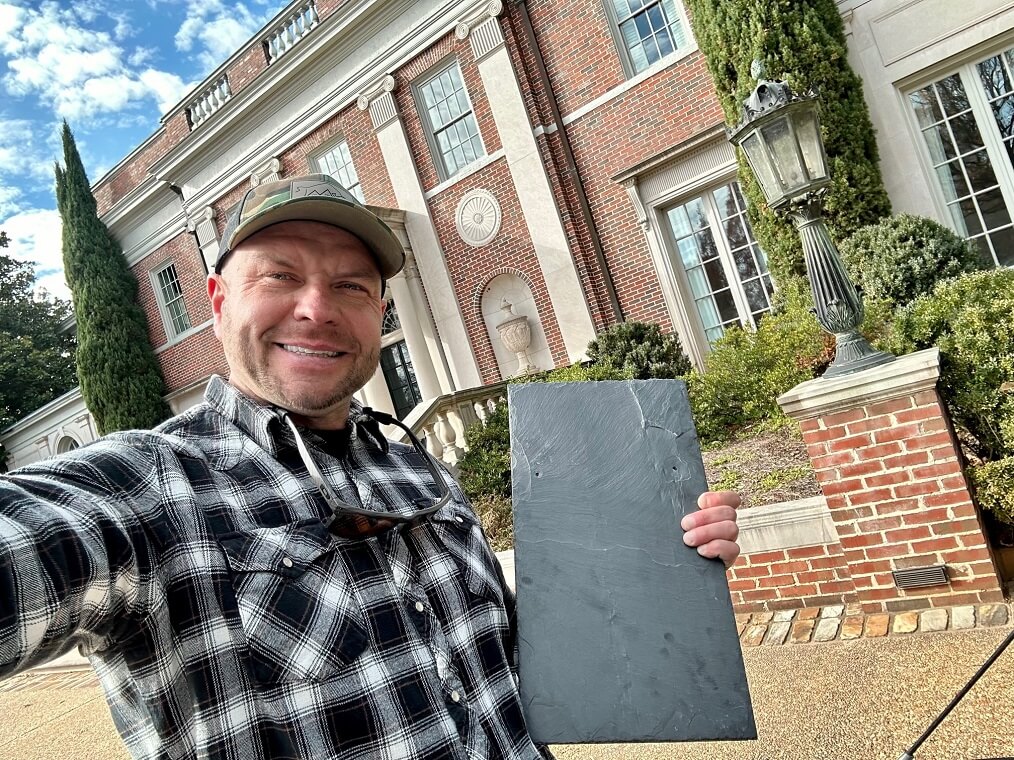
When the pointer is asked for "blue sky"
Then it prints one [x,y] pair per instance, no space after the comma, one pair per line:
[111,68]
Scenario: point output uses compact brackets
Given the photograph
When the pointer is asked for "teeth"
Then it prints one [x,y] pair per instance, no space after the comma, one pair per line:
[308,351]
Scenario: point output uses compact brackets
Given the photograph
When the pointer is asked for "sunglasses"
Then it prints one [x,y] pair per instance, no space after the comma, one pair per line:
[355,522]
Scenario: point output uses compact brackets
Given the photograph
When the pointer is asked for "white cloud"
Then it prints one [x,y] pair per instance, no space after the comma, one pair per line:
[36,237]
[10,200]
[82,73]
[217,29]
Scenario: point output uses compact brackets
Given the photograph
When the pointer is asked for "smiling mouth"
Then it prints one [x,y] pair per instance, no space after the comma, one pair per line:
[310,351]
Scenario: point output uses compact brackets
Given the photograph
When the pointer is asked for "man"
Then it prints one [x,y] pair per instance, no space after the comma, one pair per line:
[235,575]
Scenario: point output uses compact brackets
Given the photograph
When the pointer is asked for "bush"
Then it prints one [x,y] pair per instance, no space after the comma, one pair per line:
[747,370]
[902,257]
[994,488]
[497,519]
[641,349]
[485,469]
[971,320]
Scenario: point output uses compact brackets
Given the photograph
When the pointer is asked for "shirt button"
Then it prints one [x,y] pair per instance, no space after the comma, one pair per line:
[455,697]
[286,561]
[459,519]
[419,607]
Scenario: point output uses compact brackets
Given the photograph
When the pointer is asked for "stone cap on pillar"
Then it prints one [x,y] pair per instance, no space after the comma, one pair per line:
[905,376]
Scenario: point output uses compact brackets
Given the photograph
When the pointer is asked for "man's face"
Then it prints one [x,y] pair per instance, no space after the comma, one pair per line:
[298,310]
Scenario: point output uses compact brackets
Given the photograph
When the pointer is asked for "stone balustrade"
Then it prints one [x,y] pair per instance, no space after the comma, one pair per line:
[291,30]
[442,421]
[209,100]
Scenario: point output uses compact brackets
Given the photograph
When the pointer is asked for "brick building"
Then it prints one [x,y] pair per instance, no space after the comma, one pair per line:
[564,161]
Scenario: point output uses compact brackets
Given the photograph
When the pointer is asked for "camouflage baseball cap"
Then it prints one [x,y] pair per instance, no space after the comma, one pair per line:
[312,198]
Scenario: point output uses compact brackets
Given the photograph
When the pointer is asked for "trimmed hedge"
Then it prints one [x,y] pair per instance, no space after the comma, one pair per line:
[802,42]
[904,256]
[640,349]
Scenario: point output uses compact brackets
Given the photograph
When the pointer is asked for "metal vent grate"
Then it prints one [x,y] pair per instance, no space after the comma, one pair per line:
[917,577]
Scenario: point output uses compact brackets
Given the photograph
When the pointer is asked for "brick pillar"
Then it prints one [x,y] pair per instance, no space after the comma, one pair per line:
[889,464]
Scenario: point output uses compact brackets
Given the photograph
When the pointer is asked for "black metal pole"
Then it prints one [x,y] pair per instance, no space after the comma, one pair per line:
[909,754]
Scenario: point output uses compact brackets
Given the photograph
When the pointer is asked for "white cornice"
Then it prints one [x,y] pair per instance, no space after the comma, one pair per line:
[166,232]
[312,60]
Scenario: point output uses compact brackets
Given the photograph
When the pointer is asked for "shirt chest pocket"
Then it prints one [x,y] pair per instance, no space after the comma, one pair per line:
[295,601]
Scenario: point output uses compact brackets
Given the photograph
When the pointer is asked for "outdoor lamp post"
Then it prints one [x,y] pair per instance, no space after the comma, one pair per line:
[780,135]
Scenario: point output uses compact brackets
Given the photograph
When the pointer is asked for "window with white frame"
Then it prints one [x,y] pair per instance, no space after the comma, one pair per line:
[396,364]
[337,161]
[722,266]
[169,294]
[450,123]
[967,124]
[647,30]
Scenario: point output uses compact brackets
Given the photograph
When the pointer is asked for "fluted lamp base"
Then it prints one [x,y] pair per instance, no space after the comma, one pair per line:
[854,354]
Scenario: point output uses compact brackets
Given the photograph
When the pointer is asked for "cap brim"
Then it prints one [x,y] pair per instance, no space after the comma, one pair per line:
[376,236]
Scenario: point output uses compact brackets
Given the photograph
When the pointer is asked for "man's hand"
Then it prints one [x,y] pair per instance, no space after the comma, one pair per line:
[713,529]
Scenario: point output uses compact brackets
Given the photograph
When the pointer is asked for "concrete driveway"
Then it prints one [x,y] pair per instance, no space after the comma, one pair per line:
[864,699]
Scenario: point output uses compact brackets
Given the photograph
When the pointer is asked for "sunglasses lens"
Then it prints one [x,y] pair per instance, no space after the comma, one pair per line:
[347,525]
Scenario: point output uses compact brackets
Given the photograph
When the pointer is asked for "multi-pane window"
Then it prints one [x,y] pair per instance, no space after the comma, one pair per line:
[170,298]
[967,124]
[726,271]
[650,30]
[449,119]
[396,364]
[338,163]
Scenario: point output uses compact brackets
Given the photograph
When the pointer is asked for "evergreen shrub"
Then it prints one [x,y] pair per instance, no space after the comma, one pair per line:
[905,256]
[803,42]
[994,487]
[748,369]
[971,320]
[641,349]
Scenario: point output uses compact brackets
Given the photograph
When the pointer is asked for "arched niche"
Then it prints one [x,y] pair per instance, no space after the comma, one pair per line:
[512,289]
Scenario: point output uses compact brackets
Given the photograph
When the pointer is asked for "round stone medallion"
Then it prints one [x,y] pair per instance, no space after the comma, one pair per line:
[478,217]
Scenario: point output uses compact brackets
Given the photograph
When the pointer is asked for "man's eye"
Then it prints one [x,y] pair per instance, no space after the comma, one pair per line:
[279,276]
[353,286]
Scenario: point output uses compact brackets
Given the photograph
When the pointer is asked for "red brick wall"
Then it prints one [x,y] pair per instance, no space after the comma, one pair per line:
[355,127]
[802,576]
[892,475]
[443,51]
[197,355]
[647,120]
[471,268]
[121,181]
[246,68]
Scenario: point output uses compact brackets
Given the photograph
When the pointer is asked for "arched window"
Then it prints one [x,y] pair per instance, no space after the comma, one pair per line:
[66,444]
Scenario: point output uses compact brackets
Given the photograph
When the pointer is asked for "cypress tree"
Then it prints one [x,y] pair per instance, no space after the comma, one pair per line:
[803,42]
[120,378]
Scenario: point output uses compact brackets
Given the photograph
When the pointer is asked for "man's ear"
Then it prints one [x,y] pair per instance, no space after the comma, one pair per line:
[216,295]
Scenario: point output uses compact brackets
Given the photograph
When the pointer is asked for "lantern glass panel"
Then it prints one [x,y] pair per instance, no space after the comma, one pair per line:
[785,154]
[808,134]
[759,161]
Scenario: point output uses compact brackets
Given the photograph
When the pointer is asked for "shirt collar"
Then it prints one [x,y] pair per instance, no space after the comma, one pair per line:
[264,423]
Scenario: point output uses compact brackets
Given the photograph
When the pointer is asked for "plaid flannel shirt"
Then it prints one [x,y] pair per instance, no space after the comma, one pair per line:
[192,565]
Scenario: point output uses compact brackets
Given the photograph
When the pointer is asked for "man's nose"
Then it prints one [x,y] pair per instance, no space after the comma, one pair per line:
[317,303]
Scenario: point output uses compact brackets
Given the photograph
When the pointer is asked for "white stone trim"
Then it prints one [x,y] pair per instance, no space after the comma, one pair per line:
[476,166]
[905,376]
[269,171]
[538,204]
[805,522]
[184,335]
[475,16]
[379,99]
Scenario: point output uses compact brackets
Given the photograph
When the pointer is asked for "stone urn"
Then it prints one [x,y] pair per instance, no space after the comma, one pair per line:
[516,335]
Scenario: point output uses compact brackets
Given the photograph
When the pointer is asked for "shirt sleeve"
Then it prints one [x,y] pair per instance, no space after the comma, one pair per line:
[73,554]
